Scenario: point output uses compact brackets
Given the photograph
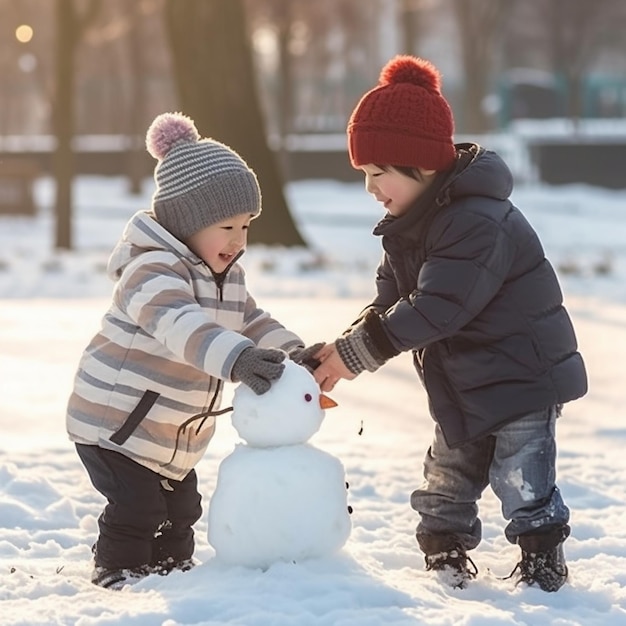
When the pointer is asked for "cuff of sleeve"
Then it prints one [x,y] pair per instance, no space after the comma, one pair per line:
[348,355]
[381,347]
[357,352]
[366,345]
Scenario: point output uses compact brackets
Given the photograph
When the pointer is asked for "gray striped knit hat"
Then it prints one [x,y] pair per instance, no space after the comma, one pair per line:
[199,182]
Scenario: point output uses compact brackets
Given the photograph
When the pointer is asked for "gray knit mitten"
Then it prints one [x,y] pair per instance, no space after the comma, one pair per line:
[365,346]
[258,367]
[304,356]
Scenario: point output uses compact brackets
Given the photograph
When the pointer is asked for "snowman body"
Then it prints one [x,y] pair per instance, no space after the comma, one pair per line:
[277,497]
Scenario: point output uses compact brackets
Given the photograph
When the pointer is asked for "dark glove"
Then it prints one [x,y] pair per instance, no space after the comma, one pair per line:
[365,346]
[258,367]
[362,315]
[304,356]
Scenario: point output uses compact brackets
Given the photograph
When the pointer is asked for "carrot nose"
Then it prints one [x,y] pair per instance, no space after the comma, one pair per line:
[326,402]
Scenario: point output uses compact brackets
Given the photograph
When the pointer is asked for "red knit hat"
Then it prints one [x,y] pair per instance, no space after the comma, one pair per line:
[404,120]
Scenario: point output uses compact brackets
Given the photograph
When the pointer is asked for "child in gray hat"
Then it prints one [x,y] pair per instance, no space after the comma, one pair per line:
[181,322]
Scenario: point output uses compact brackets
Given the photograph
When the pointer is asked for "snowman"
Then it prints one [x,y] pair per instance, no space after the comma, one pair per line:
[278,498]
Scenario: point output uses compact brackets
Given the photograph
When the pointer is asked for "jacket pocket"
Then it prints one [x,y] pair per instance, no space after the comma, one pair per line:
[147,401]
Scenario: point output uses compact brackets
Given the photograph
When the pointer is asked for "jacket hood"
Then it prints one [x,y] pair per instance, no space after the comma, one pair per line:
[476,172]
[144,234]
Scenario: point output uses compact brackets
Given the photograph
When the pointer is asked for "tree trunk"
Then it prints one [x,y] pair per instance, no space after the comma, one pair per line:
[137,102]
[69,27]
[410,26]
[214,73]
[285,86]
[63,121]
[479,24]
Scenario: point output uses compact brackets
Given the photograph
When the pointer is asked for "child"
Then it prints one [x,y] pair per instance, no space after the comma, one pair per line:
[181,322]
[464,285]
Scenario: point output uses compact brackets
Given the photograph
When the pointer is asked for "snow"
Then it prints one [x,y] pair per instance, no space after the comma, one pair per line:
[289,413]
[50,305]
[287,503]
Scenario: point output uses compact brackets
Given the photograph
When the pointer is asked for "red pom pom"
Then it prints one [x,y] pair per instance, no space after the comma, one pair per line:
[412,70]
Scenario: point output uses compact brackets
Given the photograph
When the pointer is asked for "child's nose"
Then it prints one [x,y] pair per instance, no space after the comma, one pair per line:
[370,185]
[239,237]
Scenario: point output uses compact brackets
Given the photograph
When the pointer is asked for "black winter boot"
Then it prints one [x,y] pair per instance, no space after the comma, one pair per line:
[117,578]
[445,556]
[166,566]
[543,560]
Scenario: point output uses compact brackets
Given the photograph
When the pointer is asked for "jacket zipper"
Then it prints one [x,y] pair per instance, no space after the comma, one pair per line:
[220,278]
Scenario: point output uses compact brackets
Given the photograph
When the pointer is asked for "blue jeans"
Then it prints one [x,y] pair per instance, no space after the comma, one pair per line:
[518,461]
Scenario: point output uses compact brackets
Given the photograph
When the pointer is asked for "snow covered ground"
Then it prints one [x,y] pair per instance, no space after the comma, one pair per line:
[50,304]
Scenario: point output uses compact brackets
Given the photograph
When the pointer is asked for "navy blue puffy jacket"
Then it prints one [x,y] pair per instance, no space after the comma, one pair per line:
[464,282]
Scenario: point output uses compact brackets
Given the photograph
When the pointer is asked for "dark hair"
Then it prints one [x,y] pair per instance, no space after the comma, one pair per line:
[411,172]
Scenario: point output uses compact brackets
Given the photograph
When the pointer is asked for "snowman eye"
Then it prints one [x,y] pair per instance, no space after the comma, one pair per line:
[308,397]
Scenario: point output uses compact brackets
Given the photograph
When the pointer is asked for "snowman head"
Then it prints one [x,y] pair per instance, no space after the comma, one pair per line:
[290,413]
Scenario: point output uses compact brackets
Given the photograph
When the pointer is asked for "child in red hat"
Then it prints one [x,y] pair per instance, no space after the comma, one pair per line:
[463,285]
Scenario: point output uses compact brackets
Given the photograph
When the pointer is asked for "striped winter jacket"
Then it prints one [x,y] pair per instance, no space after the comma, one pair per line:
[169,339]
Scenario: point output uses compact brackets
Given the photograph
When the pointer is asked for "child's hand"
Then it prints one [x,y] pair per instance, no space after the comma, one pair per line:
[331,369]
[258,367]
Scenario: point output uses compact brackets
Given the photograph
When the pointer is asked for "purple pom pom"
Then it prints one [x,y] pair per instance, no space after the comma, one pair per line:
[167,130]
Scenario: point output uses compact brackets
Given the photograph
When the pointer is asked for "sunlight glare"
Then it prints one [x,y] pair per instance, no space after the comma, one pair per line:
[24,33]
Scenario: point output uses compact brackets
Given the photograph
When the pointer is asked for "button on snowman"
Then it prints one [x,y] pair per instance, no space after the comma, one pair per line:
[278,498]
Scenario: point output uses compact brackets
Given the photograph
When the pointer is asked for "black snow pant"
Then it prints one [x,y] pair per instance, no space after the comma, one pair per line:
[147,519]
